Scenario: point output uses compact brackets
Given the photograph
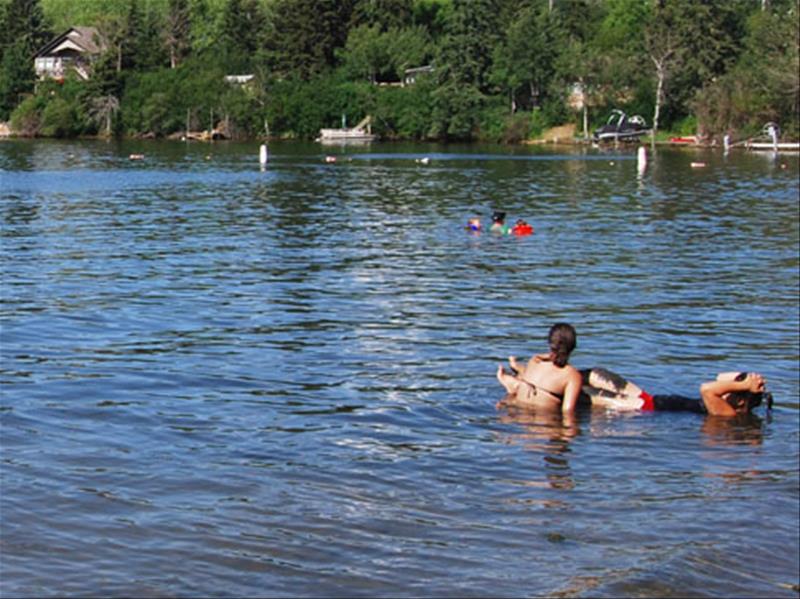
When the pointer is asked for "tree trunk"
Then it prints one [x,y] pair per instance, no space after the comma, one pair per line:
[585,121]
[661,76]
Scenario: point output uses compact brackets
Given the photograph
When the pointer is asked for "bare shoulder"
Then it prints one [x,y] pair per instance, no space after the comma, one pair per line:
[573,374]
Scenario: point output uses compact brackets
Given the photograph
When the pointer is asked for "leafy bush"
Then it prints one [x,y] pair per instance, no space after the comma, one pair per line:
[686,126]
[494,122]
[538,122]
[405,112]
[56,110]
[26,118]
[59,119]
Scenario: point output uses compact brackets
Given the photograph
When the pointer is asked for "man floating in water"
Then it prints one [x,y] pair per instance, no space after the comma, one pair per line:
[730,394]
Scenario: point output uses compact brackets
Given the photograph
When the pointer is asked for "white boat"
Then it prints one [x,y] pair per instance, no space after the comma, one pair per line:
[785,146]
[771,131]
[360,133]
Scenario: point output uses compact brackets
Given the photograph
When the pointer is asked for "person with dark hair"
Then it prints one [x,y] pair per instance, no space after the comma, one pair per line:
[730,394]
[499,223]
[547,381]
[521,228]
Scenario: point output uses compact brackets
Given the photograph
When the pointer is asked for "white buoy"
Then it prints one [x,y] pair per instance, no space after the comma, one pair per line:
[641,159]
[263,155]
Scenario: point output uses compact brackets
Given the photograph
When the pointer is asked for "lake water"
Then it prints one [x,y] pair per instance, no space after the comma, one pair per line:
[219,380]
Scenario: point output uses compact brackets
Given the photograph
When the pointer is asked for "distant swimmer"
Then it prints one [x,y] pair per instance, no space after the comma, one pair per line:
[499,223]
[522,228]
[474,225]
[546,381]
[730,394]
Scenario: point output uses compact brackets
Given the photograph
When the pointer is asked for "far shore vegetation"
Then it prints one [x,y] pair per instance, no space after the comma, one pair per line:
[445,70]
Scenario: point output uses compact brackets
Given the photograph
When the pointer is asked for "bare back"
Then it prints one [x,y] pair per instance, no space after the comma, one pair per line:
[549,386]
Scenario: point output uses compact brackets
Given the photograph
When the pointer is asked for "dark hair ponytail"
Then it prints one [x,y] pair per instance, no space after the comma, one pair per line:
[562,339]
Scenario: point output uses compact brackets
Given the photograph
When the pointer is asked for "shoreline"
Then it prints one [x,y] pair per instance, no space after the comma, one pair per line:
[557,136]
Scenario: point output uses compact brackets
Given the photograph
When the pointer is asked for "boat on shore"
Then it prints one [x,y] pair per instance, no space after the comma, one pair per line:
[768,141]
[781,146]
[621,127]
[360,133]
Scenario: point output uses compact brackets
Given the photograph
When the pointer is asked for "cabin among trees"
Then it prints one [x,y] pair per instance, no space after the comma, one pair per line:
[505,70]
[74,50]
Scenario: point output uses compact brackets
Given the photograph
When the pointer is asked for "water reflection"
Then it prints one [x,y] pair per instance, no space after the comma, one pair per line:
[546,433]
[744,429]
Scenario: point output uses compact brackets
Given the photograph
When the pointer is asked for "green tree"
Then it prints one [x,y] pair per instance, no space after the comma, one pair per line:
[306,35]
[23,22]
[525,63]
[177,31]
[608,61]
[432,15]
[385,14]
[16,77]
[22,33]
[408,47]
[375,55]
[463,67]
[241,36]
[764,84]
[366,53]
[142,38]
[59,119]
[689,43]
[667,47]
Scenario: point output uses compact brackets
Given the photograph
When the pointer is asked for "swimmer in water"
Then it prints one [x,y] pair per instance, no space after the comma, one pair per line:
[474,225]
[730,394]
[522,228]
[499,223]
[546,381]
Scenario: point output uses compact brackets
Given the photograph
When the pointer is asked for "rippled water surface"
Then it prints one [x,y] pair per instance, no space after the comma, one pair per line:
[223,381]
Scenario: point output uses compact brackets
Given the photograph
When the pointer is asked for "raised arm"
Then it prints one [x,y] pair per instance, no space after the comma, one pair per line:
[713,392]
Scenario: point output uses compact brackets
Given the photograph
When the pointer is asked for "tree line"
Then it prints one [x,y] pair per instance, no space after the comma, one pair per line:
[502,70]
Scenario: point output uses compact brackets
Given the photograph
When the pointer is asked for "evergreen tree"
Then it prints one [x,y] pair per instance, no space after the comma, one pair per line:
[131,36]
[23,22]
[243,25]
[306,35]
[463,67]
[149,49]
[471,34]
[22,33]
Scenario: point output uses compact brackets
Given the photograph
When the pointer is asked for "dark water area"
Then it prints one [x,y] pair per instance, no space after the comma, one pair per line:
[218,380]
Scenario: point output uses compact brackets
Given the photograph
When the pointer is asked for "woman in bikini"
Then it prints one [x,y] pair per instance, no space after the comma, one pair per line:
[546,381]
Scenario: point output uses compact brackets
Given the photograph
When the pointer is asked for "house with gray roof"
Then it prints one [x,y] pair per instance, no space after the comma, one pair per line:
[72,51]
